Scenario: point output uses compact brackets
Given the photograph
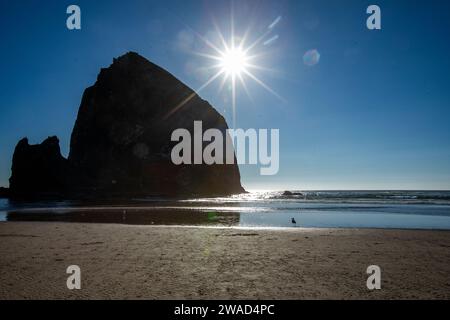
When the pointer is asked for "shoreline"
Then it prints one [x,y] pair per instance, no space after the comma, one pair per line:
[224,227]
[169,262]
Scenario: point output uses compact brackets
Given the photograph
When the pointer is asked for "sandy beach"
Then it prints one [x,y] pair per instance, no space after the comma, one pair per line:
[151,262]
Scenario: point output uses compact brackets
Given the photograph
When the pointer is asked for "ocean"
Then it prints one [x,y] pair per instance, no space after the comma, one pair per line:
[269,209]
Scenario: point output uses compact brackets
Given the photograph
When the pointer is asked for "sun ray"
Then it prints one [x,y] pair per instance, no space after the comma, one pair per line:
[222,84]
[207,42]
[257,41]
[219,33]
[233,93]
[205,55]
[193,94]
[232,24]
[244,38]
[257,67]
[262,84]
[244,85]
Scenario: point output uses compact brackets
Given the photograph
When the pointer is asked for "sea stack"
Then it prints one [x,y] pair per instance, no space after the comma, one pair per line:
[121,142]
[39,170]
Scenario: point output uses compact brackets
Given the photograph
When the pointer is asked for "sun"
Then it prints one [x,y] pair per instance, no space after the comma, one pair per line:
[234,62]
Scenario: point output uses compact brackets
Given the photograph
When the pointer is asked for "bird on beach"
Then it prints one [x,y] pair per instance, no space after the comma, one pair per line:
[293,221]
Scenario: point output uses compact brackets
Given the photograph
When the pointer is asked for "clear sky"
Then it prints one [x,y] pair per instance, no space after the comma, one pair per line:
[373,113]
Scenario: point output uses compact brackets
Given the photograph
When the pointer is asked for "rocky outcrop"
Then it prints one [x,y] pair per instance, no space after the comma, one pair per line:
[120,144]
[4,192]
[39,169]
[288,193]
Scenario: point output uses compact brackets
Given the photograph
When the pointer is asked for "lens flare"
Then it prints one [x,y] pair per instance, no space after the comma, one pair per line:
[311,57]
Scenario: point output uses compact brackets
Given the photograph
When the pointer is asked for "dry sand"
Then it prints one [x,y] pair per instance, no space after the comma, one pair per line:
[123,261]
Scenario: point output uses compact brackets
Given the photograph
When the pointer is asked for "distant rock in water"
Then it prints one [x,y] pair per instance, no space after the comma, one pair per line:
[121,142]
[290,193]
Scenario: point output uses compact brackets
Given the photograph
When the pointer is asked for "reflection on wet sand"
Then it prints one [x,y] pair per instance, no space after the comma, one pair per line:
[137,216]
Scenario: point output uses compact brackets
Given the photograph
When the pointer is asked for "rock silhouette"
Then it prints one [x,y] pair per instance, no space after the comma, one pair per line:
[4,192]
[38,168]
[120,145]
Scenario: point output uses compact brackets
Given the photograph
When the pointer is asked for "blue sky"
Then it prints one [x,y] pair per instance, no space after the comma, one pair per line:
[373,113]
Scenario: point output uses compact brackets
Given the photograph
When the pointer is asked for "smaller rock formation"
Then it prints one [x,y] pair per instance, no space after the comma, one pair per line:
[38,167]
[4,192]
[290,193]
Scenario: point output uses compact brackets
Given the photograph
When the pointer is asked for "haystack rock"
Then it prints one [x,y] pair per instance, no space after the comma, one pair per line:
[121,143]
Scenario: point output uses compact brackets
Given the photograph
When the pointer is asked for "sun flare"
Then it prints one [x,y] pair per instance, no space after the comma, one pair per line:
[234,62]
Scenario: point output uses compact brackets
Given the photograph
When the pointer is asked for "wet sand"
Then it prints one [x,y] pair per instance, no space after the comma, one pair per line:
[153,262]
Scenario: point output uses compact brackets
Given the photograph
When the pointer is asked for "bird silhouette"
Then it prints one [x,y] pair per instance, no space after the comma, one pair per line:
[293,221]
